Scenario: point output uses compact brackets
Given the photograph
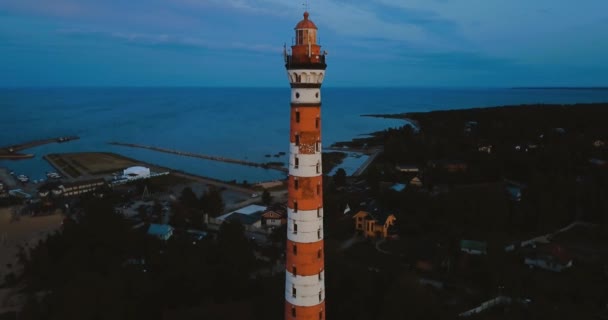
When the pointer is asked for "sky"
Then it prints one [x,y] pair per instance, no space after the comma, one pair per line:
[376,43]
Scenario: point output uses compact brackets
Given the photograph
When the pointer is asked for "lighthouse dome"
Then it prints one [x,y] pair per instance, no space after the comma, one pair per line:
[306,24]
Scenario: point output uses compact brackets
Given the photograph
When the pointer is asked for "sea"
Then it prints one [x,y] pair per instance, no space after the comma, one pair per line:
[242,123]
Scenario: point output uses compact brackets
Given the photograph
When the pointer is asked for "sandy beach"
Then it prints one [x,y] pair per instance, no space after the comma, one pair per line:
[26,231]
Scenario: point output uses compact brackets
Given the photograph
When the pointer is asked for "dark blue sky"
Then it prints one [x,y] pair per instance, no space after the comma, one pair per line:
[239,42]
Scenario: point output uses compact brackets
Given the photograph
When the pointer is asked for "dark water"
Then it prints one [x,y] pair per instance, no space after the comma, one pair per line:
[244,123]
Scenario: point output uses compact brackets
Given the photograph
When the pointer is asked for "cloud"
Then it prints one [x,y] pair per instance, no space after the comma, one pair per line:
[167,41]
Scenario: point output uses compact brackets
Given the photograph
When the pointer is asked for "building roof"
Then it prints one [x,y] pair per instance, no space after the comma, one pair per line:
[245,219]
[306,24]
[248,210]
[473,245]
[272,215]
[398,187]
[159,230]
[137,170]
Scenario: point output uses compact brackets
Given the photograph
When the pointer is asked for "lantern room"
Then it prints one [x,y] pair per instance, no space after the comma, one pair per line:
[306,31]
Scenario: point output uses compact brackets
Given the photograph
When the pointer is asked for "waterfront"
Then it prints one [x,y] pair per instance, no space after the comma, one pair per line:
[239,123]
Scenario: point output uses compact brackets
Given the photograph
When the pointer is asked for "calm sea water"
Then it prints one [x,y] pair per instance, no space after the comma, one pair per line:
[245,123]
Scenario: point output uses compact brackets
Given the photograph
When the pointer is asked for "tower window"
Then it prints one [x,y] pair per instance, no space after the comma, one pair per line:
[320,278]
[319,254]
[317,94]
[293,311]
[295,249]
[318,189]
[297,139]
[293,292]
[318,168]
[295,228]
[317,146]
[296,163]
[317,122]
[298,116]
[318,212]
[319,233]
[293,270]
[297,95]
[296,184]
[320,315]
[295,206]
[320,296]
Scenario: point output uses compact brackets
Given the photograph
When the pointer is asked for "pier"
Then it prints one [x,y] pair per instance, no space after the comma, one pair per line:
[11,152]
[203,156]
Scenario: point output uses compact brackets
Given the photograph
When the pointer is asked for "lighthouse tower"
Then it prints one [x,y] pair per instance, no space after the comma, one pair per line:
[305,269]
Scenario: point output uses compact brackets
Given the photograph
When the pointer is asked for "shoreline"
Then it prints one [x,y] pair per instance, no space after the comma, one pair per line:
[176,172]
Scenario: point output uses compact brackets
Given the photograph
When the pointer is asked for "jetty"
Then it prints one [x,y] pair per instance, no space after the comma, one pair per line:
[12,152]
[203,156]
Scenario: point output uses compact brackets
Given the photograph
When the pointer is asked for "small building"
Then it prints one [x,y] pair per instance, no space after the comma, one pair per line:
[377,225]
[137,172]
[598,162]
[599,143]
[250,216]
[161,231]
[416,182]
[253,220]
[272,218]
[552,258]
[451,166]
[398,187]
[407,168]
[485,149]
[514,192]
[473,247]
[78,187]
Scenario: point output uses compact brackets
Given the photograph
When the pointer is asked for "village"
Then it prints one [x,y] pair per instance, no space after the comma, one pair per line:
[466,232]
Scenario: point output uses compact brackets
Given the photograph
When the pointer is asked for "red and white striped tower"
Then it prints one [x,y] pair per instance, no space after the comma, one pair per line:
[304,281]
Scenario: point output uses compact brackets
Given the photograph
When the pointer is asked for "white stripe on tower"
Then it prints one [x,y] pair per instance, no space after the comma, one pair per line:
[310,290]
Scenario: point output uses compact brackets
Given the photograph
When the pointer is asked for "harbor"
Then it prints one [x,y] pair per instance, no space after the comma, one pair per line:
[12,152]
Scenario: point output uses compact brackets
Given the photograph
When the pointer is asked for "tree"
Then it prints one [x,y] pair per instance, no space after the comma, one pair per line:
[266,197]
[340,178]
[212,202]
[188,198]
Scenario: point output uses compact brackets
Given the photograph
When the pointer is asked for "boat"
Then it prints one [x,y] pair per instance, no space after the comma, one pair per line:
[23,178]
[53,175]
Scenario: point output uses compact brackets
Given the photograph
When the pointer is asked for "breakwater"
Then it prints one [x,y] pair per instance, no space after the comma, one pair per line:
[204,156]
[12,152]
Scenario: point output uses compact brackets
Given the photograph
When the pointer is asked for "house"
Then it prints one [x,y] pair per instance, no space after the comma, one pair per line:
[552,258]
[599,143]
[272,218]
[473,247]
[376,225]
[250,216]
[416,182]
[253,220]
[161,231]
[514,192]
[79,187]
[407,168]
[598,162]
[398,187]
[451,166]
[485,149]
